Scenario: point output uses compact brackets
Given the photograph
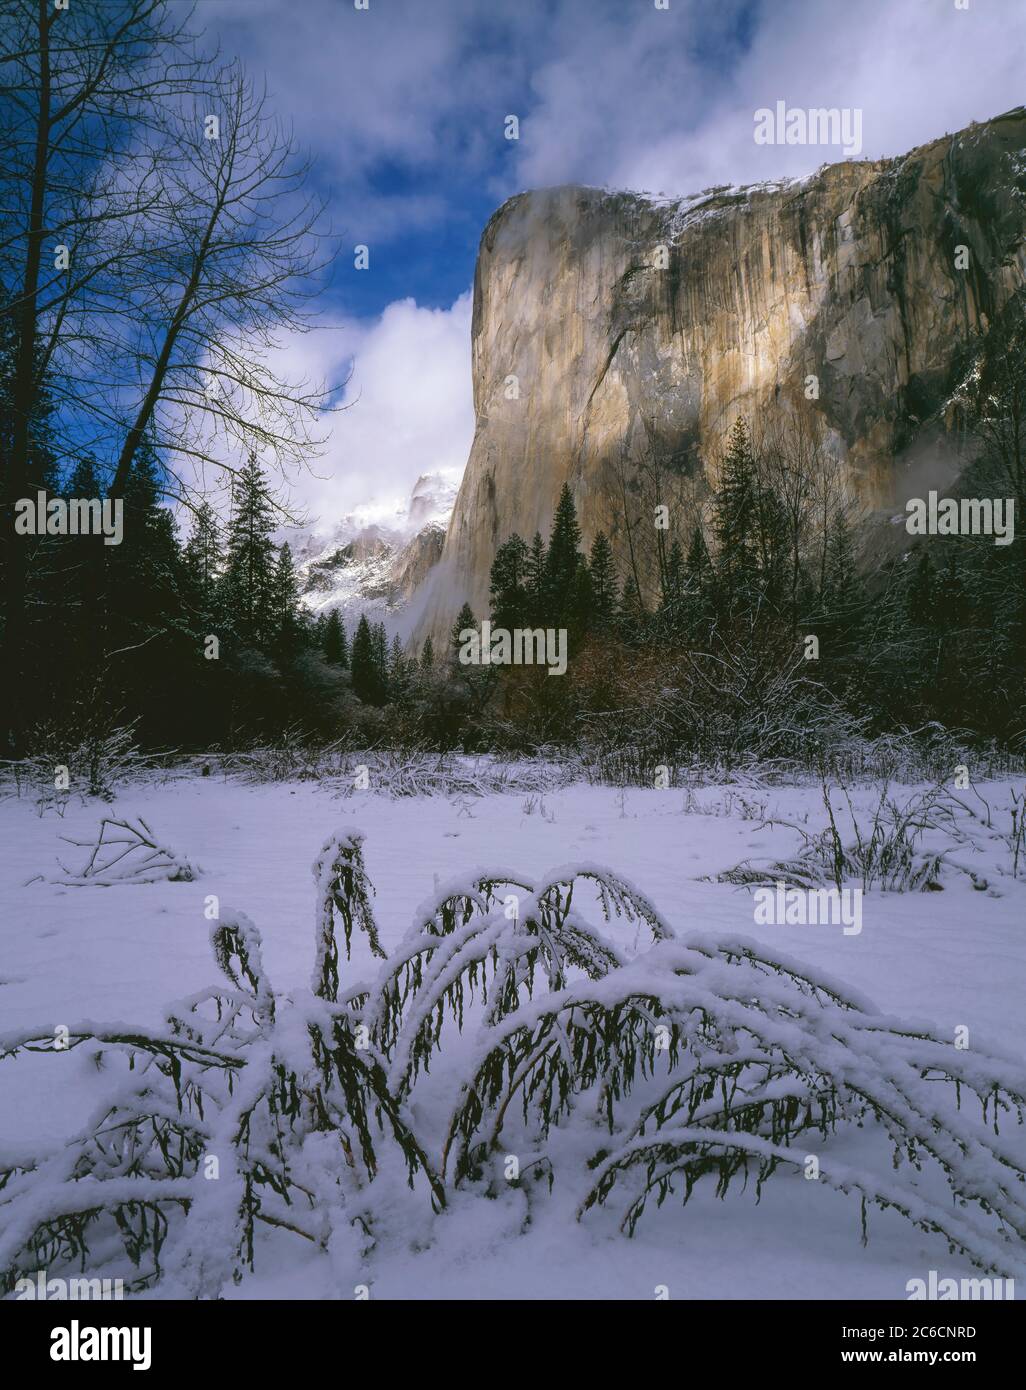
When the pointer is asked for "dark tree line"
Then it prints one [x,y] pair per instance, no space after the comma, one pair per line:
[555,585]
[197,643]
[190,642]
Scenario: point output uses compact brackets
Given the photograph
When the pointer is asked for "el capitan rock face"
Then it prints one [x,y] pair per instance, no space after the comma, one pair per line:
[849,275]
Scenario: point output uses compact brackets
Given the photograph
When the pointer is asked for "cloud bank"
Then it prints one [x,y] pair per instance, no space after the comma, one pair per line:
[407,405]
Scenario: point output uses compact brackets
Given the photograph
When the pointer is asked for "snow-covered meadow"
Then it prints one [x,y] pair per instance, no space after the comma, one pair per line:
[951,960]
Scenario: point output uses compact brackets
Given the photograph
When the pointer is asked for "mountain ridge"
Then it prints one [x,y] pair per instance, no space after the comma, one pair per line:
[374,559]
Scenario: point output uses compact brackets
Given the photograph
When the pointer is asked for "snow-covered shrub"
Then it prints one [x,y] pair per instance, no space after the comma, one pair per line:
[744,704]
[343,888]
[623,1073]
[884,852]
[213,1124]
[729,803]
[126,852]
[926,754]
[410,772]
[98,752]
[292,756]
[1004,825]
[1016,836]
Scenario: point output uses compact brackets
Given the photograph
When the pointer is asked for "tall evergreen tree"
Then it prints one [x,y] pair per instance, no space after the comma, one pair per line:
[427,654]
[379,646]
[534,581]
[736,514]
[285,621]
[248,578]
[632,618]
[580,604]
[562,559]
[367,678]
[81,606]
[151,638]
[699,585]
[397,674]
[671,605]
[605,591]
[145,570]
[843,589]
[772,545]
[464,619]
[203,554]
[509,595]
[334,643]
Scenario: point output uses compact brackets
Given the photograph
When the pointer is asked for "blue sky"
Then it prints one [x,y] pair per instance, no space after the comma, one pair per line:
[402,107]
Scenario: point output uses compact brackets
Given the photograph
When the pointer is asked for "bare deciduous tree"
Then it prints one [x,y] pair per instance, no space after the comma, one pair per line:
[157,248]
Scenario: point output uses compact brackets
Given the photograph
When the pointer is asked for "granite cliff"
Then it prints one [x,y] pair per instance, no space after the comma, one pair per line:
[611,330]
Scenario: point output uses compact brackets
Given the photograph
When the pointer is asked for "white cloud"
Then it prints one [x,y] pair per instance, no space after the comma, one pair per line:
[401,87]
[610,92]
[410,408]
[635,105]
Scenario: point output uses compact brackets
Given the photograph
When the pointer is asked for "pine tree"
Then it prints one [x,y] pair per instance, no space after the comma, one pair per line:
[699,589]
[843,589]
[509,595]
[605,590]
[379,646]
[773,549]
[145,570]
[334,643]
[151,636]
[248,578]
[464,620]
[284,603]
[671,606]
[632,619]
[427,654]
[82,607]
[580,604]
[397,676]
[367,679]
[535,582]
[562,559]
[736,514]
[85,479]
[203,554]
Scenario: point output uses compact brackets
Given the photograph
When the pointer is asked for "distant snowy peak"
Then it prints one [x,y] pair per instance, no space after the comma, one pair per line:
[373,558]
[432,499]
[390,521]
